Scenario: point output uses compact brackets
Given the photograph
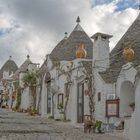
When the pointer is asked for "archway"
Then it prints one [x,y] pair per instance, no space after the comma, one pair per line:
[127,97]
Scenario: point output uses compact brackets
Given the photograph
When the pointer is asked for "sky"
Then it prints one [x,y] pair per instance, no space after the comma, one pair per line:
[35,27]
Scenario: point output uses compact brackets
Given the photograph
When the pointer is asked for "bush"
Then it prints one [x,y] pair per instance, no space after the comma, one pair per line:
[98,125]
[132,104]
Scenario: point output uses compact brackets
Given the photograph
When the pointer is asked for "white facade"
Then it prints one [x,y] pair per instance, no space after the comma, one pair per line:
[136,122]
[58,85]
[101,63]
[125,88]
[26,96]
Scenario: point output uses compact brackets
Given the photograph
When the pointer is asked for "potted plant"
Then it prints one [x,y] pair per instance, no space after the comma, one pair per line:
[60,107]
[98,126]
[132,105]
[61,111]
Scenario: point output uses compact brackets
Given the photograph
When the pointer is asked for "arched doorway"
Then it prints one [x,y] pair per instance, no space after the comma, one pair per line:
[127,96]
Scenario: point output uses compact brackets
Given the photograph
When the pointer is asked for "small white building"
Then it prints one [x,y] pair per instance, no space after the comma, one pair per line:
[26,97]
[64,85]
[6,89]
[116,87]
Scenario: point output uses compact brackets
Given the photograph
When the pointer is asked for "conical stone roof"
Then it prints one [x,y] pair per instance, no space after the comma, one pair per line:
[66,48]
[130,38]
[22,68]
[10,66]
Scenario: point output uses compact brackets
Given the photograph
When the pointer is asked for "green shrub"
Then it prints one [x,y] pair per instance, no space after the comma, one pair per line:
[98,125]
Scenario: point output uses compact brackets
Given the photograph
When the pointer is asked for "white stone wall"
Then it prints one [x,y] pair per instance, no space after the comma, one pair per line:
[25,99]
[21,83]
[104,89]
[77,76]
[129,131]
[127,73]
[43,99]
[5,74]
[101,63]
[53,74]
[137,112]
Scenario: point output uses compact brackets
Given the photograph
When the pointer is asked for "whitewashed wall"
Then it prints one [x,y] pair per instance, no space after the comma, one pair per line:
[104,89]
[127,73]
[25,99]
[137,112]
[77,76]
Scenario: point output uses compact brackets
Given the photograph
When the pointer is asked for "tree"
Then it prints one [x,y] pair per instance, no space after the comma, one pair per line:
[91,92]
[68,73]
[30,80]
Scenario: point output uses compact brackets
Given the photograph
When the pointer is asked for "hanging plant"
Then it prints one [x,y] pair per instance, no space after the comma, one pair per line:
[132,105]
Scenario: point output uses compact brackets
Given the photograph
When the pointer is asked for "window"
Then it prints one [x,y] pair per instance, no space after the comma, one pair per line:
[99,96]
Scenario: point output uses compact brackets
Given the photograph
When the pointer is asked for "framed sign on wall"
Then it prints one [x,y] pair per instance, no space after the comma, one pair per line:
[112,108]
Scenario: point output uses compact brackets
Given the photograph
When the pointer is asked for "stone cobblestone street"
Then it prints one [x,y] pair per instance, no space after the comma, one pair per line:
[21,126]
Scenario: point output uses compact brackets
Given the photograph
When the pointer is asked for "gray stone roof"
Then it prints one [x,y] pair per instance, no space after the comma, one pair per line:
[22,68]
[43,68]
[10,66]
[66,48]
[55,54]
[130,38]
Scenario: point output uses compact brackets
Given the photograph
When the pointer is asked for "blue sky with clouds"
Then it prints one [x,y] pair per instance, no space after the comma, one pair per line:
[28,25]
[121,4]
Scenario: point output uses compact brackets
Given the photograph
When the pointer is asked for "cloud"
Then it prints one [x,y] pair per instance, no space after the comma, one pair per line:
[121,4]
[124,4]
[36,26]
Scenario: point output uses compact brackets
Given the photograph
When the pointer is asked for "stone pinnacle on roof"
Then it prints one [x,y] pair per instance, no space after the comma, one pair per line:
[78,20]
[10,57]
[66,35]
[78,26]
[28,56]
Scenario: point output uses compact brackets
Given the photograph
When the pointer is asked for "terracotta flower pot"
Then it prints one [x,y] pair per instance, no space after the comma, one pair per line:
[132,105]
[128,54]
[81,52]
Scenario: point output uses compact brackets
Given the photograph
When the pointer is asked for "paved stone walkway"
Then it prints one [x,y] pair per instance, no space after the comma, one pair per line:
[21,126]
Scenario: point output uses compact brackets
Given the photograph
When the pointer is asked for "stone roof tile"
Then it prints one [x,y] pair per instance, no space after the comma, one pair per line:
[10,66]
[66,49]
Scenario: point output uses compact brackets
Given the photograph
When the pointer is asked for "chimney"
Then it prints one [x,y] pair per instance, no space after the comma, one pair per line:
[101,51]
